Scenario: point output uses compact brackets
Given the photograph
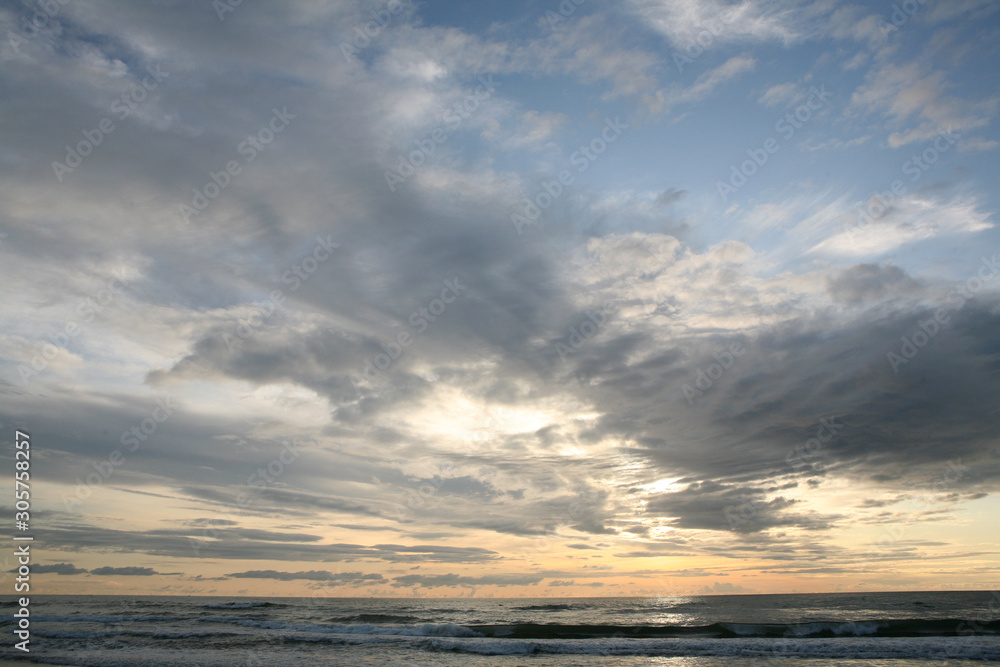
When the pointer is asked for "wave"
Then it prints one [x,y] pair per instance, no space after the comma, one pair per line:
[118,633]
[241,605]
[420,630]
[105,618]
[551,607]
[880,628]
[404,625]
[377,618]
[930,648]
[888,628]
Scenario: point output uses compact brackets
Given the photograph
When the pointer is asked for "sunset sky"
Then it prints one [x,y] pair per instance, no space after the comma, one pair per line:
[524,298]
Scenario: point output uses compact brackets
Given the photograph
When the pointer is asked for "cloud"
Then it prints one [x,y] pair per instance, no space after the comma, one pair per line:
[713,506]
[724,588]
[977,9]
[865,284]
[682,20]
[837,144]
[669,196]
[338,578]
[782,94]
[451,580]
[916,106]
[911,218]
[591,48]
[706,84]
[276,452]
[182,544]
[977,144]
[56,568]
[125,571]
[535,130]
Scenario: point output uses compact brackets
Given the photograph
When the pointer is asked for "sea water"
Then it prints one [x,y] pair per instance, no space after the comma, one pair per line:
[800,630]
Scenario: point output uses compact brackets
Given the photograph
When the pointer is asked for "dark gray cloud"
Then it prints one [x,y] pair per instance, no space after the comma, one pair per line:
[670,195]
[312,575]
[714,506]
[865,284]
[197,544]
[55,568]
[125,571]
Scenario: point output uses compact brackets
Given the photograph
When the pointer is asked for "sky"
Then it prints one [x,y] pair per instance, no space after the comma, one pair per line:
[533,298]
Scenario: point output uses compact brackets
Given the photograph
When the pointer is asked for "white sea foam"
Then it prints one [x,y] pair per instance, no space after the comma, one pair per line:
[952,648]
[422,630]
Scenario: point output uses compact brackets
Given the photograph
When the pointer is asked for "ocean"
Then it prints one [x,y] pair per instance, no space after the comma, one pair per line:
[800,630]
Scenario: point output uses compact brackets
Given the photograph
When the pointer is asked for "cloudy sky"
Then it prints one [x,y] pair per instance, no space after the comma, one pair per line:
[518,299]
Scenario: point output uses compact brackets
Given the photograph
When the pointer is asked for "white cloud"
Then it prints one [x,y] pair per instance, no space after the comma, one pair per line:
[837,144]
[664,100]
[859,59]
[781,94]
[535,129]
[977,144]
[912,218]
[916,105]
[945,11]
[750,21]
[587,48]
